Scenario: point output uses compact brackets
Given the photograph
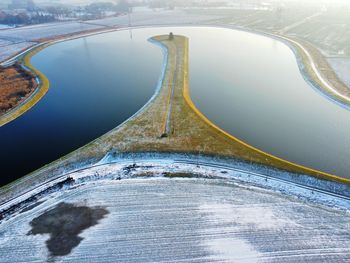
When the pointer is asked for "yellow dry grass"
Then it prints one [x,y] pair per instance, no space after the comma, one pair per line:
[34,98]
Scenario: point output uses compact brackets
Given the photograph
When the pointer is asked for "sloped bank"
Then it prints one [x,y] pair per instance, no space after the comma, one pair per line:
[190,133]
[119,166]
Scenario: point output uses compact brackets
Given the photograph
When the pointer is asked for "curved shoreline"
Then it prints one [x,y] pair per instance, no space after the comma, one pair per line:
[35,97]
[306,63]
[87,156]
[90,163]
[187,97]
[311,74]
[42,81]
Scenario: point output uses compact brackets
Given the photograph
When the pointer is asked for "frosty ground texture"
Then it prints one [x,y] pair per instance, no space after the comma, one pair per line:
[156,219]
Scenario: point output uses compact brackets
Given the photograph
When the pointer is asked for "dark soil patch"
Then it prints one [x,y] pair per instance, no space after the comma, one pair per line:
[30,207]
[180,175]
[64,223]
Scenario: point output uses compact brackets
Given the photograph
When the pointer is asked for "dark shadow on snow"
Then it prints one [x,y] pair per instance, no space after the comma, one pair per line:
[64,223]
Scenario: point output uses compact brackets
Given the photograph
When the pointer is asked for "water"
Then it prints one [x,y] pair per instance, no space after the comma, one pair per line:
[247,84]
[96,84]
[251,86]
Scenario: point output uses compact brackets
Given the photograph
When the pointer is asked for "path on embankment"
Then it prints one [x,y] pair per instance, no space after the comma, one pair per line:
[169,122]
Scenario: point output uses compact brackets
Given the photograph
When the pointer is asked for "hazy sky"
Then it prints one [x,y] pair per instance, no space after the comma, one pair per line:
[84,2]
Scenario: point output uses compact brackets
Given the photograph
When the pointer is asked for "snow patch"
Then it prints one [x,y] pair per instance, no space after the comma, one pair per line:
[259,217]
[232,250]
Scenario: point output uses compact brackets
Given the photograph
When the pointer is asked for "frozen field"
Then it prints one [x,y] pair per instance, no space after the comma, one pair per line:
[14,40]
[157,18]
[31,33]
[174,220]
[10,50]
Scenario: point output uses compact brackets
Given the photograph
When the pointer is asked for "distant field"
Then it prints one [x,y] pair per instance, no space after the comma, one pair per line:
[327,30]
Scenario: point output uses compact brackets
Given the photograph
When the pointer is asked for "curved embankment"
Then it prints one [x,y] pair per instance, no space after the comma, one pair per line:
[316,70]
[35,97]
[313,65]
[269,159]
[188,131]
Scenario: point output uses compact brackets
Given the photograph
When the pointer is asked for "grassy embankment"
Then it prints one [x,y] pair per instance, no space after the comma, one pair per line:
[190,131]
[342,93]
[35,97]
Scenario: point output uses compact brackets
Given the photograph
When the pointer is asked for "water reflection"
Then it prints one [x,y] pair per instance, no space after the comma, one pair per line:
[247,84]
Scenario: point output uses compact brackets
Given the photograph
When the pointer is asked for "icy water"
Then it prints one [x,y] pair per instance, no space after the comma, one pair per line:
[247,84]
[175,220]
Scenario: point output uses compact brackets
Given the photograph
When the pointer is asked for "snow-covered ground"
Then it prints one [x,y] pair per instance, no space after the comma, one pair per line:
[116,166]
[342,68]
[30,33]
[144,18]
[4,42]
[16,38]
[155,219]
[2,26]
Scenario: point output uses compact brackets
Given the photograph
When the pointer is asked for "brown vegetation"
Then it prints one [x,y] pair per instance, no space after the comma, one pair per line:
[16,84]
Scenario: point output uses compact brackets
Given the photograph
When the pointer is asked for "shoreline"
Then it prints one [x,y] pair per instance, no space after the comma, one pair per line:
[305,57]
[309,69]
[321,174]
[39,92]
[93,152]
[43,83]
[133,136]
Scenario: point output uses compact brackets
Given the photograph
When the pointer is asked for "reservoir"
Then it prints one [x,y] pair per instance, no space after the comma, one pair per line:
[247,84]
[250,86]
[96,83]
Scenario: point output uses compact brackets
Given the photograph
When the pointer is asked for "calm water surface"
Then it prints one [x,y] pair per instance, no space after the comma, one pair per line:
[96,84]
[247,84]
[251,86]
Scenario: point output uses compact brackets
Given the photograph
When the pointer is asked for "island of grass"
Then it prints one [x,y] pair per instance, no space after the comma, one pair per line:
[22,86]
[17,84]
[168,123]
